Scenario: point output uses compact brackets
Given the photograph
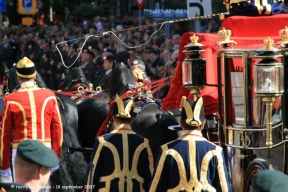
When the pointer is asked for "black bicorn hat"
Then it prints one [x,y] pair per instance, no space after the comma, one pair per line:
[192,111]
[14,187]
[122,108]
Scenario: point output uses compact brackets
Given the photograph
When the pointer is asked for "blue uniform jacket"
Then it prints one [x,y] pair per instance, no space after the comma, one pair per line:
[190,162]
[123,162]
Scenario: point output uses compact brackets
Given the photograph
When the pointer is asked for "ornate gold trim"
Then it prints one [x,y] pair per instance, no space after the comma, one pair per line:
[4,126]
[2,135]
[59,118]
[123,112]
[33,114]
[24,117]
[159,168]
[197,110]
[220,168]
[125,172]
[193,117]
[193,182]
[42,115]
[95,159]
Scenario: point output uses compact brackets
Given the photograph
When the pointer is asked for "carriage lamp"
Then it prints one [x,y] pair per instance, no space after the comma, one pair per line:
[194,67]
[268,81]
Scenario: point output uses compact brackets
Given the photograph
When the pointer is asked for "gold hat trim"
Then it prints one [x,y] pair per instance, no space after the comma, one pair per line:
[193,118]
[123,112]
[25,63]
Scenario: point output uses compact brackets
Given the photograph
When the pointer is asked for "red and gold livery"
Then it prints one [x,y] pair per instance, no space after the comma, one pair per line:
[30,113]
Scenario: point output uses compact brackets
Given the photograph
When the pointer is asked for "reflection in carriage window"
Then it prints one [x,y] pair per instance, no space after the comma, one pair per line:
[259,113]
[237,96]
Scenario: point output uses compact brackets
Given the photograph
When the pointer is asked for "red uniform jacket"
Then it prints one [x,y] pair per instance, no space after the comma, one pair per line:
[30,113]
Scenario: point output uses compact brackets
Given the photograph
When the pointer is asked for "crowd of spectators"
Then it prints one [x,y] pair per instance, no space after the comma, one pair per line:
[39,44]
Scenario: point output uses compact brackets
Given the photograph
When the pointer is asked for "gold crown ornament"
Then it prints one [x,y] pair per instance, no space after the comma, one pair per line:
[269,44]
[283,33]
[194,39]
[194,42]
[224,36]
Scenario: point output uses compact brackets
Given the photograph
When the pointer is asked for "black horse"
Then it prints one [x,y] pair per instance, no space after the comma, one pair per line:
[149,121]
[73,166]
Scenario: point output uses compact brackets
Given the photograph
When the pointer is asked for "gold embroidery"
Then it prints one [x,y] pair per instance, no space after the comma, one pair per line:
[193,182]
[42,115]
[150,156]
[59,117]
[123,112]
[135,174]
[159,168]
[220,168]
[125,172]
[24,117]
[197,110]
[2,135]
[60,121]
[33,115]
[95,159]
[204,169]
[193,117]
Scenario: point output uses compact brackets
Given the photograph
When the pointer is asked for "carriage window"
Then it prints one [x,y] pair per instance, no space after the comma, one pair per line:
[237,96]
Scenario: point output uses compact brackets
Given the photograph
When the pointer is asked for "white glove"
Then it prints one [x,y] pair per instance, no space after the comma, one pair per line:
[6,176]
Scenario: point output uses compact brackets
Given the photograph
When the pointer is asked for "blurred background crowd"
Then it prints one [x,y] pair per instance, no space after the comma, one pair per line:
[156,58]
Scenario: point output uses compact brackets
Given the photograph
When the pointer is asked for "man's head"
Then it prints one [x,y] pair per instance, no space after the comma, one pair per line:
[122,111]
[73,48]
[108,62]
[176,39]
[33,163]
[153,56]
[192,114]
[161,70]
[25,70]
[269,181]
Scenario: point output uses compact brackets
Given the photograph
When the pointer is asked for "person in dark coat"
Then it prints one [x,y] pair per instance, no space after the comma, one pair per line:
[191,163]
[103,79]
[88,66]
[121,160]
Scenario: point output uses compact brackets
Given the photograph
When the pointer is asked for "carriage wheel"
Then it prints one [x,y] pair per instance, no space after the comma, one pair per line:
[255,166]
